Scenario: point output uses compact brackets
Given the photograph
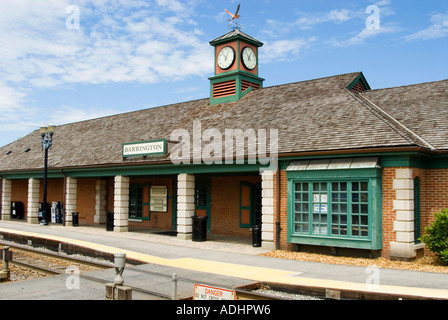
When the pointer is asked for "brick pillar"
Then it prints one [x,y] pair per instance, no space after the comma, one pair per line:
[33,201]
[185,206]
[6,199]
[267,210]
[403,185]
[121,204]
[70,200]
[100,202]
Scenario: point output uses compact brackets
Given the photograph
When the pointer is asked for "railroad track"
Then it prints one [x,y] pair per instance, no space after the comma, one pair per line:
[35,254]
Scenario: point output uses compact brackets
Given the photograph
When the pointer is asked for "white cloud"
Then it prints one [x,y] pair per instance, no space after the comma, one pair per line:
[38,49]
[285,50]
[136,41]
[364,35]
[309,20]
[437,29]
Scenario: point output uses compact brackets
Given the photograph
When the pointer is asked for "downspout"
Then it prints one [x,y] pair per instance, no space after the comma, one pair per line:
[277,210]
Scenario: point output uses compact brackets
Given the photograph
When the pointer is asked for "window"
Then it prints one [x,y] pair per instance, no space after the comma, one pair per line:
[332,208]
[335,202]
[139,202]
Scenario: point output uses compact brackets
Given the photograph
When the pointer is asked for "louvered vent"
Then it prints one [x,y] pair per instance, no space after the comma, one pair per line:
[358,87]
[224,89]
[247,84]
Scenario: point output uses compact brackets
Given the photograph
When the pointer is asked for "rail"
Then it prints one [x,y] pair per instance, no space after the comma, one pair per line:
[242,294]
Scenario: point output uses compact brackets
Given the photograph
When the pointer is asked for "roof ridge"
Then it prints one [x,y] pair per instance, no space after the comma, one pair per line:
[395,124]
[409,85]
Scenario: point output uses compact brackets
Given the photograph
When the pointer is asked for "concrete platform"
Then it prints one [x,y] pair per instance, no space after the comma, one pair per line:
[228,261]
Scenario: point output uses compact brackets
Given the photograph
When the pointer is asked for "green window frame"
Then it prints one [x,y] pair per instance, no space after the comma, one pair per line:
[139,207]
[332,208]
[340,208]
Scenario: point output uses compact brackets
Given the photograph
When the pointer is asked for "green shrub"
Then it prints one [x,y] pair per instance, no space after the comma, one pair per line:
[436,236]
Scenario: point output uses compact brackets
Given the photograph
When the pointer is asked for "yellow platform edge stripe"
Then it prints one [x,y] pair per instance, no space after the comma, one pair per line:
[259,274]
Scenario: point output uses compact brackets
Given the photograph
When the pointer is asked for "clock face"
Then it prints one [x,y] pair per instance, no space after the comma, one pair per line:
[226,57]
[249,58]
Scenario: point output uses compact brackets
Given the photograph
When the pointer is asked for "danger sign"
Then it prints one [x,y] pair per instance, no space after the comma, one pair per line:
[202,292]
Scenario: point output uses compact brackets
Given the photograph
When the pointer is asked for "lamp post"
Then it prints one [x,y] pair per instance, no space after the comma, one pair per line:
[46,134]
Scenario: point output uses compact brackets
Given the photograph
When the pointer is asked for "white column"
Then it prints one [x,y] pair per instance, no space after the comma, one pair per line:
[6,199]
[267,210]
[185,206]
[70,200]
[121,204]
[33,200]
[403,185]
[100,202]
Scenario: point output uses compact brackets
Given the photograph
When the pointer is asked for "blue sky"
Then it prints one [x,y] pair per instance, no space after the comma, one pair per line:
[63,61]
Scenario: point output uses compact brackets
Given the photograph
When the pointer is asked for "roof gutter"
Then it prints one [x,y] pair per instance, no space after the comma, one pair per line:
[366,151]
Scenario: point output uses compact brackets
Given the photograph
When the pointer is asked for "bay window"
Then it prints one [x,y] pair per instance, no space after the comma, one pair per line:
[335,203]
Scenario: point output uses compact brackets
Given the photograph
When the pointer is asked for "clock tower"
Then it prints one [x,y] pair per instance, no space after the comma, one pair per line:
[236,67]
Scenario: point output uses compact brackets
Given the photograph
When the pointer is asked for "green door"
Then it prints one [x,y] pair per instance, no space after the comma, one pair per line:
[203,199]
[250,204]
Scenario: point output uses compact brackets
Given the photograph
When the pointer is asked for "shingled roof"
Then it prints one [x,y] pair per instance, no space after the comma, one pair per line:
[319,115]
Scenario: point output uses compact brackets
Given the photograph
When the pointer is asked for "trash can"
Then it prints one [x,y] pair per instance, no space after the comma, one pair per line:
[110,221]
[75,219]
[199,229]
[256,235]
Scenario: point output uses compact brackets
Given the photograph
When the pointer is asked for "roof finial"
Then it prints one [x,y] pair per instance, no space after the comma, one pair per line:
[235,18]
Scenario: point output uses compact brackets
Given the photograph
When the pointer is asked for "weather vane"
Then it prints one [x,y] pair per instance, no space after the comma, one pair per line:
[235,18]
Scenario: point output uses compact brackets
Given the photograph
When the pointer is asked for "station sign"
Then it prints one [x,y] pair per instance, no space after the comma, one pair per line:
[144,148]
[202,292]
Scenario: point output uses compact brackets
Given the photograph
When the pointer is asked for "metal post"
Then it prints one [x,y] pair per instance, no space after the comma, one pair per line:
[174,297]
[5,272]
[44,221]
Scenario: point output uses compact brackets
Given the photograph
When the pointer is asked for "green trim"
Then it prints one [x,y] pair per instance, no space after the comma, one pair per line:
[204,182]
[174,205]
[250,207]
[413,159]
[363,80]
[53,174]
[372,176]
[238,76]
[236,37]
[133,190]
[142,170]
[398,159]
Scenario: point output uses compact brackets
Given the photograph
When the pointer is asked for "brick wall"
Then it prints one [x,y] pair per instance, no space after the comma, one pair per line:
[225,210]
[433,194]
[85,202]
[284,245]
[159,220]
[389,215]
[19,193]
[433,198]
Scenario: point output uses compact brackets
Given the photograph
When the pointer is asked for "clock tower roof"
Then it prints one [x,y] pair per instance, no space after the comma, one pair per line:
[233,35]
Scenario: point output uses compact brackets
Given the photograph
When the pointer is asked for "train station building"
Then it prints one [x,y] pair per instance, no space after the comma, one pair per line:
[321,164]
